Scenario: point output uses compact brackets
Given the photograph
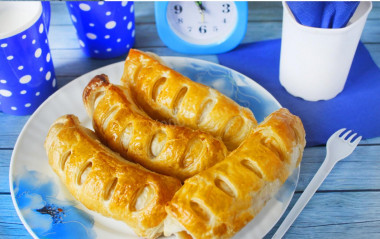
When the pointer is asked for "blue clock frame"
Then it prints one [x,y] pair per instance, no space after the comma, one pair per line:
[178,44]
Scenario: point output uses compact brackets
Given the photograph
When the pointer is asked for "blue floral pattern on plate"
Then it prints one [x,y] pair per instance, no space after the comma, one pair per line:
[47,216]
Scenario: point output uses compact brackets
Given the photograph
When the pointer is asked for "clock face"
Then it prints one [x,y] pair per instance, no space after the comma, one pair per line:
[203,22]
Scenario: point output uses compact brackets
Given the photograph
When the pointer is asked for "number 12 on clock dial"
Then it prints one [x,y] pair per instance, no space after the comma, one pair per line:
[201,27]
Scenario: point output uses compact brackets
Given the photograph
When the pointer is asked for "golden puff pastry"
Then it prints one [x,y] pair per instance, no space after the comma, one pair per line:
[221,200]
[167,95]
[106,183]
[168,149]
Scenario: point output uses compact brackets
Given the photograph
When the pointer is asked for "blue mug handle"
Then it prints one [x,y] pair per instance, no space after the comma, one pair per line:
[46,14]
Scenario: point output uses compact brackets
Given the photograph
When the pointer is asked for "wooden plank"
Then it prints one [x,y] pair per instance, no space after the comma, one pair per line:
[348,174]
[10,224]
[336,215]
[346,213]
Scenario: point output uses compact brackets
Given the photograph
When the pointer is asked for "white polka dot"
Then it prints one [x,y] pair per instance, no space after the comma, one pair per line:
[129,25]
[91,36]
[132,9]
[4,45]
[128,46]
[41,69]
[133,33]
[3,81]
[20,67]
[46,41]
[34,42]
[125,18]
[91,24]
[73,18]
[101,3]
[110,24]
[10,58]
[5,93]
[108,13]
[48,75]
[54,82]
[84,7]
[81,43]
[13,108]
[118,40]
[38,53]
[71,5]
[41,29]
[96,51]
[25,79]
[48,57]
[124,3]
[23,92]
[106,36]
[28,105]
[23,36]
[109,49]
[37,93]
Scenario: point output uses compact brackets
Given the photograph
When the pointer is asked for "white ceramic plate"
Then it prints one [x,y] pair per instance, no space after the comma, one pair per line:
[48,210]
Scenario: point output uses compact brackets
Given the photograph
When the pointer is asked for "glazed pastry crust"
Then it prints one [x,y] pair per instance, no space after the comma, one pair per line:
[167,95]
[104,182]
[167,149]
[221,200]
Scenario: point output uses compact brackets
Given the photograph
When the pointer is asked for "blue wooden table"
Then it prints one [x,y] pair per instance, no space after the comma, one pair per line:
[346,205]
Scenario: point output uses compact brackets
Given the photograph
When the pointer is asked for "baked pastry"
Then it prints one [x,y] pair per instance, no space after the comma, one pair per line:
[106,183]
[221,200]
[167,149]
[167,95]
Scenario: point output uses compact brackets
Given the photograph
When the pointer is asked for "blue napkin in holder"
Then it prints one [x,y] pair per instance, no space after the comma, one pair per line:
[323,14]
[357,107]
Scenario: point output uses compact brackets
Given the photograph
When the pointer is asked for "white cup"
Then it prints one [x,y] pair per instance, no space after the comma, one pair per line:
[315,62]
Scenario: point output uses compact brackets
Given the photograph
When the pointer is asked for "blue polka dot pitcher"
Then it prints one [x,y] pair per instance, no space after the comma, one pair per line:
[26,69]
[104,29]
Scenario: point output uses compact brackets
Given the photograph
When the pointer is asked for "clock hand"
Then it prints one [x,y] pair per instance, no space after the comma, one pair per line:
[201,8]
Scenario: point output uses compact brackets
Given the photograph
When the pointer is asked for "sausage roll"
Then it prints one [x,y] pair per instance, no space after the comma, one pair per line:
[167,95]
[168,149]
[221,200]
[106,183]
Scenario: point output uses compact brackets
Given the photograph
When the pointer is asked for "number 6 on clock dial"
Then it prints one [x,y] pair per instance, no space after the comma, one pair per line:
[201,27]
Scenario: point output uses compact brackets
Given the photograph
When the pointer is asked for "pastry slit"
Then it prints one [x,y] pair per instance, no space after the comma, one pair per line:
[225,186]
[109,189]
[193,152]
[178,99]
[157,143]
[97,97]
[252,167]
[200,210]
[205,110]
[126,136]
[64,159]
[83,173]
[142,198]
[110,114]
[273,146]
[157,88]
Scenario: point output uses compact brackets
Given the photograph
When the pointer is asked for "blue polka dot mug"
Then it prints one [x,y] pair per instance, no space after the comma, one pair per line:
[26,69]
[104,29]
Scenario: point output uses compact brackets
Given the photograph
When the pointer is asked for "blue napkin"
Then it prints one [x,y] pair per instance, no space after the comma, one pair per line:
[357,107]
[324,14]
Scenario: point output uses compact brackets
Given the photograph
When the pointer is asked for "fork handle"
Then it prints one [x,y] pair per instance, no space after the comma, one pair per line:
[314,184]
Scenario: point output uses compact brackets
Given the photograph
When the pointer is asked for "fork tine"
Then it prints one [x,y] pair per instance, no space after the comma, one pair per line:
[356,142]
[337,133]
[351,137]
[346,134]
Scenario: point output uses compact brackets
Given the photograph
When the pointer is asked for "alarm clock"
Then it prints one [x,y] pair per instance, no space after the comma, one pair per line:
[201,27]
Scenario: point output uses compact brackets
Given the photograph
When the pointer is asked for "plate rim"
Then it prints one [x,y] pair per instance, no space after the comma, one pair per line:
[11,175]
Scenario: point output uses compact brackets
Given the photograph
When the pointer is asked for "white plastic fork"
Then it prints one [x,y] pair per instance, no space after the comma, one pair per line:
[338,148]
